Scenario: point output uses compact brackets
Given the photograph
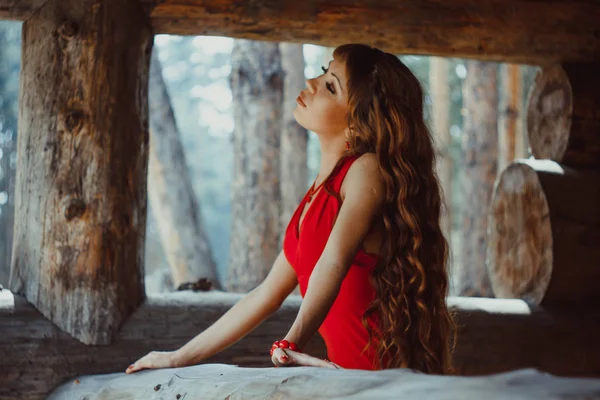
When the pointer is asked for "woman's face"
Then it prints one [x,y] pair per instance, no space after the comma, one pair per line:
[323,105]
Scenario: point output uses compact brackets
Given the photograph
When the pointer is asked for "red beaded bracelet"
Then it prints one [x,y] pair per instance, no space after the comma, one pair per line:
[284,344]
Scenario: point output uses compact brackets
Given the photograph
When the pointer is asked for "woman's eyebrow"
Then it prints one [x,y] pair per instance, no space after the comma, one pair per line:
[339,82]
[336,77]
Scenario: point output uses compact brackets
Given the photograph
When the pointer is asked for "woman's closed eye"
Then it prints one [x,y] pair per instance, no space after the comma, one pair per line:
[327,84]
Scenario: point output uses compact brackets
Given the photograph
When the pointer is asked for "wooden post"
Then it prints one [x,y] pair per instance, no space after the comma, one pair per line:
[563,116]
[509,128]
[257,86]
[80,212]
[171,194]
[480,145]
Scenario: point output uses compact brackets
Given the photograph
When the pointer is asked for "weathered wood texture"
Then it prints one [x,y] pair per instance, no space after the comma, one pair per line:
[544,233]
[171,193]
[564,29]
[550,106]
[510,130]
[35,356]
[440,113]
[479,157]
[80,214]
[19,9]
[218,381]
[494,335]
[533,31]
[563,118]
[257,88]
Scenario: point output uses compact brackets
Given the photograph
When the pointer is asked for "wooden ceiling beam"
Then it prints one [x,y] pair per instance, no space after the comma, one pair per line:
[19,10]
[504,30]
[520,31]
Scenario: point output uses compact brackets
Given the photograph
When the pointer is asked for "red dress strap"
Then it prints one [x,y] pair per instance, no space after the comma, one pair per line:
[337,176]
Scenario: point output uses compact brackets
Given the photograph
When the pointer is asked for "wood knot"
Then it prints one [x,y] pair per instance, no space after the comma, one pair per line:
[68,29]
[201,284]
[74,120]
[74,209]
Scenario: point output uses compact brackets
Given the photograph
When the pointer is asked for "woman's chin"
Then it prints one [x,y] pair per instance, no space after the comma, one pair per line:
[301,118]
[298,117]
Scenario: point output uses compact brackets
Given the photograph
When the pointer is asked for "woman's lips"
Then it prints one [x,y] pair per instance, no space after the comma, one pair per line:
[300,101]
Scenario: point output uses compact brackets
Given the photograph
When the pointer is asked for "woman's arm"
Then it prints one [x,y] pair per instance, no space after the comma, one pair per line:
[364,196]
[243,317]
[236,323]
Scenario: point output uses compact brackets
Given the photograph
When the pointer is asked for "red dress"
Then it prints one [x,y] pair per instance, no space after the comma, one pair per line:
[342,329]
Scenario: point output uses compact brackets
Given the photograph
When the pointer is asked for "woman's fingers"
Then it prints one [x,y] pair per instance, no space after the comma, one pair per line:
[154,359]
[310,361]
[281,358]
[140,364]
[288,358]
[136,366]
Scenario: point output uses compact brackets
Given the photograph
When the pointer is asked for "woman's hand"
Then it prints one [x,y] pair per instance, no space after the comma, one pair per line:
[291,358]
[154,360]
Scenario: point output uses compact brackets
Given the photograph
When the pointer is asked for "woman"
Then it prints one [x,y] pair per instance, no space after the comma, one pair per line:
[365,244]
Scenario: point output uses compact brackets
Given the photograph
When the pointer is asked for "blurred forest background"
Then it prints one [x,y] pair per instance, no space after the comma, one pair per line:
[197,72]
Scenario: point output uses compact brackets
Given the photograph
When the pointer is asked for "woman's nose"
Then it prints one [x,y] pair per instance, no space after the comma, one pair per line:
[310,84]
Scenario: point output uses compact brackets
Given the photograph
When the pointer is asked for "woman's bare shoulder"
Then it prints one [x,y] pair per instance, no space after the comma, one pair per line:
[364,174]
[368,162]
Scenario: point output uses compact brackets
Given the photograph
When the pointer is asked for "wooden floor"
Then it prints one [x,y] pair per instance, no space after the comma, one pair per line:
[221,381]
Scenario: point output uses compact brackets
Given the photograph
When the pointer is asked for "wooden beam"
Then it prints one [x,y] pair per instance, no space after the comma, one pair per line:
[218,381]
[19,10]
[80,208]
[519,31]
[516,30]
[494,335]
[38,356]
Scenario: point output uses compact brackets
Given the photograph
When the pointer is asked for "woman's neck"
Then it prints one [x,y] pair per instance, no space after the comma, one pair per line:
[332,150]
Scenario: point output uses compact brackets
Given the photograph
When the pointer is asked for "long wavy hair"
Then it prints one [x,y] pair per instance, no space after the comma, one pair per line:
[414,327]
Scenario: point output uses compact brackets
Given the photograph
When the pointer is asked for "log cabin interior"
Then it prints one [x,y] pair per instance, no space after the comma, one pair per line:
[81,184]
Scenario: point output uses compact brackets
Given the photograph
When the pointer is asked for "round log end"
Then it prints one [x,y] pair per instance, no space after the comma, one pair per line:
[549,110]
[519,259]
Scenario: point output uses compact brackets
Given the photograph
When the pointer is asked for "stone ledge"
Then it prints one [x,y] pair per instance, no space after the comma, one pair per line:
[220,381]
